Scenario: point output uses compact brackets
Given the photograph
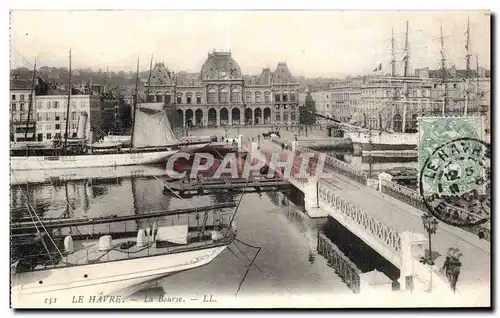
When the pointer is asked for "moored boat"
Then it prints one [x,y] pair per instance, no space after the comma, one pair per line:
[56,263]
[152,141]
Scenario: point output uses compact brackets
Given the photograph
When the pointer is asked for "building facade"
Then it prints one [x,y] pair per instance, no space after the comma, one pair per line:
[220,96]
[20,128]
[51,116]
[323,104]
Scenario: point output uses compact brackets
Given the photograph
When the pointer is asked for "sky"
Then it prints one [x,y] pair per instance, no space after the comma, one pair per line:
[312,43]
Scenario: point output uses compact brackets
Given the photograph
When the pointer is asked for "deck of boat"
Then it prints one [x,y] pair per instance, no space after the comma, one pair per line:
[87,252]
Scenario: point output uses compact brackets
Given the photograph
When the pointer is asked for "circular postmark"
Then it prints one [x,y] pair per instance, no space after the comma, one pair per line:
[455,182]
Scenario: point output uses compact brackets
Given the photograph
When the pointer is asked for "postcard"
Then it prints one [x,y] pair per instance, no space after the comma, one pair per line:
[250,159]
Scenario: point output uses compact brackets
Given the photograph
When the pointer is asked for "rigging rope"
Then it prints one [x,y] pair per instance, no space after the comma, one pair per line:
[39,220]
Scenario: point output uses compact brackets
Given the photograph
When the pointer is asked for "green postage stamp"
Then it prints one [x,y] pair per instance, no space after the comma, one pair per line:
[454,165]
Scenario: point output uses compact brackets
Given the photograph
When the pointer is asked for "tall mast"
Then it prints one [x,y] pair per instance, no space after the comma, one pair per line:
[443,72]
[467,72]
[407,56]
[393,74]
[406,73]
[135,104]
[149,78]
[107,80]
[393,55]
[67,110]
[478,95]
[30,105]
[467,45]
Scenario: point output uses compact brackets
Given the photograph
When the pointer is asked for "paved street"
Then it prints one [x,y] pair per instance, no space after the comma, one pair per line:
[253,132]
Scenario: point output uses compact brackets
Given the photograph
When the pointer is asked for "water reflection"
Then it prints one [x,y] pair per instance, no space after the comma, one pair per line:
[300,221]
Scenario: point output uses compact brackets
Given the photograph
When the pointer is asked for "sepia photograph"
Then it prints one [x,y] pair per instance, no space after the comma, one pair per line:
[184,159]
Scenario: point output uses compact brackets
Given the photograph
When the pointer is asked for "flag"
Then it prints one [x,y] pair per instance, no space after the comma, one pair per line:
[378,68]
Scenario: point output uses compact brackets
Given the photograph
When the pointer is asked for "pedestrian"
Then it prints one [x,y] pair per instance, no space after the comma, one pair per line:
[446,267]
[454,272]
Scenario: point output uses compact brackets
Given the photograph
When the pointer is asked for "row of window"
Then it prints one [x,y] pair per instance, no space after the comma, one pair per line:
[21,107]
[394,93]
[21,117]
[21,97]
[340,96]
[72,126]
[55,116]
[57,104]
[223,97]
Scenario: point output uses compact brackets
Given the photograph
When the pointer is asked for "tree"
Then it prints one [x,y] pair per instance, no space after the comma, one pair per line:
[306,116]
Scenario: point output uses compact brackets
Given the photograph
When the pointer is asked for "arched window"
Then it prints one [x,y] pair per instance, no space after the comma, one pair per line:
[212,96]
[179,98]
[224,95]
[168,98]
[235,95]
[293,96]
[285,96]
[159,98]
[248,97]
[277,97]
[198,98]
[189,97]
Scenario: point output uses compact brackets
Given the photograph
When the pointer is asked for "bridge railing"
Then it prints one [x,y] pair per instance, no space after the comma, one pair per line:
[413,198]
[339,166]
[346,269]
[389,236]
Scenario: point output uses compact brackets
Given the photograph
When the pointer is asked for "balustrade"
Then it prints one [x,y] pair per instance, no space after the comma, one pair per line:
[386,234]
[414,199]
[347,270]
[335,165]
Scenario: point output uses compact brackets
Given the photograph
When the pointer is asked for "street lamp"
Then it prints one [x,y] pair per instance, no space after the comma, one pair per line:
[430,226]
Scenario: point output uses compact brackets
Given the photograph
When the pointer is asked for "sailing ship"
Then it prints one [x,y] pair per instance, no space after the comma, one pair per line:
[404,137]
[152,141]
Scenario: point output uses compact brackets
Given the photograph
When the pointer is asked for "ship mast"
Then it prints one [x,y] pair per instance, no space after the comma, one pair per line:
[467,72]
[149,79]
[443,72]
[67,110]
[407,57]
[393,74]
[478,95]
[406,73]
[393,55]
[30,105]
[134,109]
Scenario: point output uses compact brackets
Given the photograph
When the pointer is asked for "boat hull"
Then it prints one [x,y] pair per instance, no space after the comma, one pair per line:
[89,161]
[101,279]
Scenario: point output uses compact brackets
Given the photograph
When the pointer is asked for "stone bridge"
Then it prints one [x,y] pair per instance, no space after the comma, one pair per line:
[391,227]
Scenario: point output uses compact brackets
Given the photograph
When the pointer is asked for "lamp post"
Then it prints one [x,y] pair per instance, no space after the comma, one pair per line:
[430,226]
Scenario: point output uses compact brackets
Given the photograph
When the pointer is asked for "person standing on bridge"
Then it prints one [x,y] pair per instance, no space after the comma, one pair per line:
[454,272]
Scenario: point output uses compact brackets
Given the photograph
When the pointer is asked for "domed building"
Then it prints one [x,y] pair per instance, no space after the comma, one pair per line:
[220,96]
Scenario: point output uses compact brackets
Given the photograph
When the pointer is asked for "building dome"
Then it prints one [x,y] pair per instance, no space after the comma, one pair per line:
[220,65]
